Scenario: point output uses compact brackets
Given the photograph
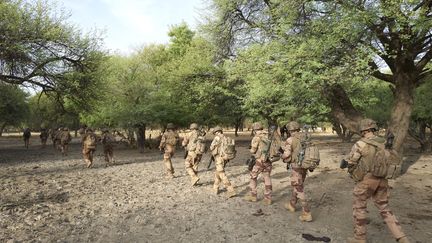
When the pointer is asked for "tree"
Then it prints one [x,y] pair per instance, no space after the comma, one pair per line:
[366,35]
[39,49]
[13,106]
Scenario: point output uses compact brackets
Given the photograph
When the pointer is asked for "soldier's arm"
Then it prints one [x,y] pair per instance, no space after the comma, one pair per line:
[287,148]
[254,144]
[162,142]
[185,140]
[355,154]
[214,143]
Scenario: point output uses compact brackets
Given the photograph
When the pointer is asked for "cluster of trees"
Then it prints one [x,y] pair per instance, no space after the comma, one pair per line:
[312,61]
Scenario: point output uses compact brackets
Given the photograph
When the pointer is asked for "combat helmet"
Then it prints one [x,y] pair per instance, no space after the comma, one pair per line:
[366,124]
[170,126]
[193,126]
[257,126]
[292,126]
[216,129]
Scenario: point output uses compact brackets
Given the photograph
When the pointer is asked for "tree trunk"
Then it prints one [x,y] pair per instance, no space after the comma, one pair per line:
[2,128]
[141,137]
[402,109]
[342,109]
[343,133]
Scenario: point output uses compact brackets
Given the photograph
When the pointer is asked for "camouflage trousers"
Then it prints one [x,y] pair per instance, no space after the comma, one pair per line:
[43,142]
[298,176]
[264,169]
[168,154]
[26,142]
[190,164]
[377,189]
[88,155]
[64,148]
[108,154]
[197,161]
[220,175]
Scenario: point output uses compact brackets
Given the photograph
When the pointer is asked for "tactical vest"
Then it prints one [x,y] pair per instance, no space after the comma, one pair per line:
[170,138]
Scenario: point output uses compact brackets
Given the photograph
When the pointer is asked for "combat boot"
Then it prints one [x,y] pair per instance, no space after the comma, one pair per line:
[354,240]
[403,240]
[267,201]
[290,207]
[306,216]
[195,180]
[251,198]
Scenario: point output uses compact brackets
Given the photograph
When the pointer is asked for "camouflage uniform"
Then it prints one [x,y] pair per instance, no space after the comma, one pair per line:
[65,139]
[261,166]
[57,139]
[107,140]
[168,143]
[88,149]
[220,163]
[190,143]
[298,174]
[26,137]
[370,187]
[43,137]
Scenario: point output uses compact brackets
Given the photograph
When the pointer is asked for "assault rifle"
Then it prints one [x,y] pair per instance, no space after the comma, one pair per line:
[389,140]
[251,162]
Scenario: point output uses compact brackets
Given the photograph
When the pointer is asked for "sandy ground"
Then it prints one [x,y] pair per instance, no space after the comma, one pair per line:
[47,198]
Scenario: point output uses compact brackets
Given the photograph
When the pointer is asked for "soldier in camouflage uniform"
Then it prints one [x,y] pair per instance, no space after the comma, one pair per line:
[370,187]
[298,174]
[89,147]
[168,143]
[57,138]
[261,166]
[65,139]
[26,137]
[220,163]
[108,140]
[43,137]
[190,143]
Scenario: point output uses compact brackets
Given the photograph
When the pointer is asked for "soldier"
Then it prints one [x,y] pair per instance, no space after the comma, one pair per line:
[292,149]
[57,138]
[26,136]
[190,142]
[43,137]
[89,146]
[217,148]
[108,146]
[369,187]
[262,165]
[168,143]
[65,139]
[200,148]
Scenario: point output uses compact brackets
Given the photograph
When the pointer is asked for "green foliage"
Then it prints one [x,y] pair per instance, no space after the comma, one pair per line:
[38,48]
[13,105]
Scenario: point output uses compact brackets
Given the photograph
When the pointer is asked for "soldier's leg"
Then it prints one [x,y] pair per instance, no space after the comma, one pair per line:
[168,164]
[256,170]
[111,155]
[188,165]
[361,193]
[268,188]
[297,187]
[221,171]
[66,149]
[106,155]
[380,199]
[86,154]
[197,162]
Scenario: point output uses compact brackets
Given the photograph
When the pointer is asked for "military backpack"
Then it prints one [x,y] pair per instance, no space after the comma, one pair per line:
[307,156]
[380,161]
[270,144]
[227,148]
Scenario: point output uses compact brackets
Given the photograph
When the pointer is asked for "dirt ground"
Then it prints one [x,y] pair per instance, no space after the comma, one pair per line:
[47,198]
